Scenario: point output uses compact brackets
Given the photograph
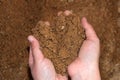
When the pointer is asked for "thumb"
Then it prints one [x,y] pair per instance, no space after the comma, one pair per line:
[91,44]
[35,49]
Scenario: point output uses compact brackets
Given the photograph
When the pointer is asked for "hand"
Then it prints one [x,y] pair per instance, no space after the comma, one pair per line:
[86,66]
[41,67]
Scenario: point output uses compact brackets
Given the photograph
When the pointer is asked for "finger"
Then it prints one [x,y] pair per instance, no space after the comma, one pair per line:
[30,58]
[65,78]
[91,44]
[60,77]
[35,49]
[67,12]
[89,31]
[47,23]
[59,13]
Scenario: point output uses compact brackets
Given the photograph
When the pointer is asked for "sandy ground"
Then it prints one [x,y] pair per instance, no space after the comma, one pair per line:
[19,17]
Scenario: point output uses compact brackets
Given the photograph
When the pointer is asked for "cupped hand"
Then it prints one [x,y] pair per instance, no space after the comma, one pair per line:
[41,67]
[86,66]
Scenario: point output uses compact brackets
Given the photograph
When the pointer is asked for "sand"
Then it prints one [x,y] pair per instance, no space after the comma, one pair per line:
[19,17]
[61,41]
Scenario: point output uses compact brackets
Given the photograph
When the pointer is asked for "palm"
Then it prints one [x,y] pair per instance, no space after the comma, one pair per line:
[44,70]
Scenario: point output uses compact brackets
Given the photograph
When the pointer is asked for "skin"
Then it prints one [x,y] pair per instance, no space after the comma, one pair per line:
[85,67]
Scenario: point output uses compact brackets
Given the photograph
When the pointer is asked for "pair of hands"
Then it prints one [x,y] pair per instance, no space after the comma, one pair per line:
[85,67]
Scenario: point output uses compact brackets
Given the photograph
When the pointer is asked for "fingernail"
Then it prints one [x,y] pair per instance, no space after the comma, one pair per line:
[67,12]
[84,19]
[30,38]
[47,23]
[59,13]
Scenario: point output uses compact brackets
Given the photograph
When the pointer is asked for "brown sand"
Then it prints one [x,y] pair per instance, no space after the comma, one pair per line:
[61,41]
[19,17]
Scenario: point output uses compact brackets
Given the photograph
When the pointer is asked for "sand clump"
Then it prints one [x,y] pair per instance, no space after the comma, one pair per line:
[60,42]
